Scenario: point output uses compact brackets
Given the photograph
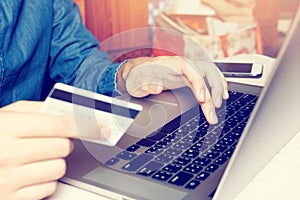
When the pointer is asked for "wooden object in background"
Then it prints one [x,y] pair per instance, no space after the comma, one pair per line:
[106,18]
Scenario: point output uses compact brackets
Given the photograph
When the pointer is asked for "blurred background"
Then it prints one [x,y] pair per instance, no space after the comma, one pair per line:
[222,27]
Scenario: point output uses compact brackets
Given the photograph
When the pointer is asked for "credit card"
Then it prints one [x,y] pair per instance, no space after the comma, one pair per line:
[90,109]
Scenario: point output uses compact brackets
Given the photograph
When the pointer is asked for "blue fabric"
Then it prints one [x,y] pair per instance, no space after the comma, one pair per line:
[43,42]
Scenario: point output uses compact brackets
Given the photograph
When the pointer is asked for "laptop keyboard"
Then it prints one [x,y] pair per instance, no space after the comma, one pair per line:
[187,150]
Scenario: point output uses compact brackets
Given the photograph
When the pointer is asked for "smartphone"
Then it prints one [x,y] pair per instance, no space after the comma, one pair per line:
[240,70]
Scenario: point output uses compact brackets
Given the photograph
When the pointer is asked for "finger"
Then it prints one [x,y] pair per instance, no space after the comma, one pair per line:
[134,86]
[40,172]
[39,191]
[225,86]
[138,84]
[208,110]
[40,149]
[155,87]
[38,125]
[195,80]
[216,82]
[24,106]
[92,128]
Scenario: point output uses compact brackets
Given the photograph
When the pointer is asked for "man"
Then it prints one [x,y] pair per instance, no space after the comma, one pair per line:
[45,40]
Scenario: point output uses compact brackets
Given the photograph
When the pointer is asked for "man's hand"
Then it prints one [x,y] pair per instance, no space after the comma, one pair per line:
[32,150]
[145,75]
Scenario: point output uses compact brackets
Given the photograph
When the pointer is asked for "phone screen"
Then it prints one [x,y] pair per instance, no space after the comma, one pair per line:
[235,67]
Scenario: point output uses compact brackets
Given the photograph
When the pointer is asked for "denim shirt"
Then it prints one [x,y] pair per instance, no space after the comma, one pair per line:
[43,42]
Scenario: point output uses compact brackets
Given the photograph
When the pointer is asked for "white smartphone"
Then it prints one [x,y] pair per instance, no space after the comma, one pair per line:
[240,70]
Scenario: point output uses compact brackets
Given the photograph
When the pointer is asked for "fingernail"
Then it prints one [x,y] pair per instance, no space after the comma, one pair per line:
[226,95]
[213,118]
[218,102]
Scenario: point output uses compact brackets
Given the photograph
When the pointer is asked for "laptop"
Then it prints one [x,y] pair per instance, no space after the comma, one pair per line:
[171,152]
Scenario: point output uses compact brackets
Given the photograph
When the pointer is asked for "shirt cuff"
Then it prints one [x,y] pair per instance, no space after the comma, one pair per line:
[116,83]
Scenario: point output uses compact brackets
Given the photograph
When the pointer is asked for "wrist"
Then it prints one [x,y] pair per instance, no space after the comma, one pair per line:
[120,78]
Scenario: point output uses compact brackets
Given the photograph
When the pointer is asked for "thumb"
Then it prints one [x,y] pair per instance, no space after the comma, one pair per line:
[141,86]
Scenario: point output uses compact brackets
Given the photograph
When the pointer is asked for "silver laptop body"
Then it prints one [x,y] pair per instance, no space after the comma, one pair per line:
[131,171]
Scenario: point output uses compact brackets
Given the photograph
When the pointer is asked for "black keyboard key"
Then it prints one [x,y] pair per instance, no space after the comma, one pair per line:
[209,141]
[133,148]
[211,168]
[190,153]
[172,168]
[188,127]
[172,138]
[150,168]
[193,168]
[181,178]
[112,161]
[180,133]
[199,133]
[172,125]
[247,98]
[182,160]
[199,146]
[211,154]
[190,139]
[154,150]
[163,144]
[125,155]
[220,160]
[202,161]
[182,145]
[202,176]
[226,141]
[192,184]
[157,136]
[219,148]
[146,142]
[228,153]
[234,96]
[173,151]
[164,158]
[162,175]
[137,162]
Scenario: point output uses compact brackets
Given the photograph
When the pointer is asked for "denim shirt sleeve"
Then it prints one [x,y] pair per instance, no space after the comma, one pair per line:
[75,56]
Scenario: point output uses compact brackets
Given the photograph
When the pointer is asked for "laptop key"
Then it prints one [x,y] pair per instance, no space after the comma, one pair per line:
[125,155]
[193,168]
[181,178]
[146,142]
[150,168]
[157,136]
[154,150]
[162,175]
[133,148]
[211,168]
[112,161]
[173,168]
[173,151]
[202,176]
[137,162]
[164,158]
[192,184]
[202,161]
[220,160]
[182,160]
